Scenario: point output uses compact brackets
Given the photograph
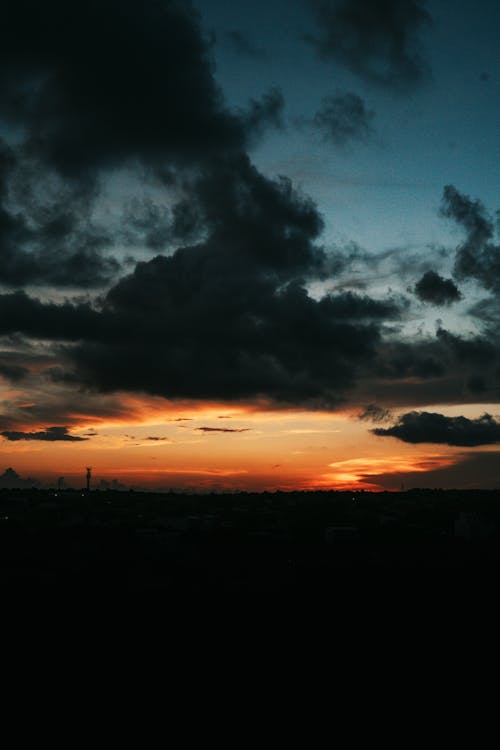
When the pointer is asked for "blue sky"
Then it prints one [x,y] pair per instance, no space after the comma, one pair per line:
[385,192]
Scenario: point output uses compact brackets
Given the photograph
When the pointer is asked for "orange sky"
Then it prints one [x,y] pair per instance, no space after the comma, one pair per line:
[220,446]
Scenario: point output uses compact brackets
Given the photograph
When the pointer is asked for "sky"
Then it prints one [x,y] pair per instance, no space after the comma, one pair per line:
[250,246]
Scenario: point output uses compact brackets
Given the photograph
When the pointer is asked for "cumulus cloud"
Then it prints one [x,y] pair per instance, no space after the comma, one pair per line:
[436,290]
[428,427]
[376,39]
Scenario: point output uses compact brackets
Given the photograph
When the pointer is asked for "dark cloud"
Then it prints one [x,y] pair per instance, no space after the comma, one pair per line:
[487,311]
[477,384]
[156,227]
[148,224]
[242,44]
[344,118]
[222,429]
[360,307]
[50,434]
[444,369]
[22,313]
[208,338]
[427,427]
[53,262]
[94,84]
[478,350]
[376,39]
[226,313]
[433,357]
[469,471]
[89,88]
[478,257]
[13,372]
[47,235]
[231,317]
[437,290]
[376,414]
[264,113]
[425,360]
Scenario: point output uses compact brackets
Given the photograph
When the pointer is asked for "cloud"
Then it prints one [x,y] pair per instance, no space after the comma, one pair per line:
[264,113]
[241,334]
[374,413]
[435,289]
[469,470]
[478,350]
[222,429]
[225,308]
[478,257]
[13,372]
[243,45]
[488,312]
[378,40]
[215,325]
[88,88]
[21,313]
[47,235]
[227,313]
[427,427]
[50,434]
[344,118]
[94,84]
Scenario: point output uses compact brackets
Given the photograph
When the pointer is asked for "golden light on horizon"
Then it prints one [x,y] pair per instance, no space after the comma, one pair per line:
[161,444]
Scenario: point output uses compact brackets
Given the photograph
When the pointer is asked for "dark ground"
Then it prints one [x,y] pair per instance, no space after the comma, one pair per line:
[316,541]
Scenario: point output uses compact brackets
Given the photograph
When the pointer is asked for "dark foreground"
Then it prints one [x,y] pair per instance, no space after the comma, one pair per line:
[108,541]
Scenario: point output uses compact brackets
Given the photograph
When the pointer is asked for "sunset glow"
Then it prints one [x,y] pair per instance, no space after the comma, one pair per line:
[223,446]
